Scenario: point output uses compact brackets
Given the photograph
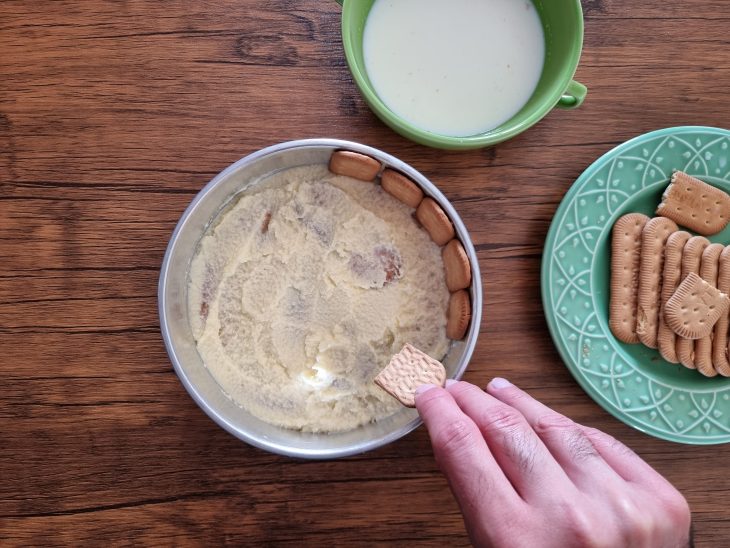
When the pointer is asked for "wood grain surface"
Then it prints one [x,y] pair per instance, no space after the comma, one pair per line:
[113,114]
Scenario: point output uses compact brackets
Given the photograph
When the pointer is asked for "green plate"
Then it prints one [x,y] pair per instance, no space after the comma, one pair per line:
[632,382]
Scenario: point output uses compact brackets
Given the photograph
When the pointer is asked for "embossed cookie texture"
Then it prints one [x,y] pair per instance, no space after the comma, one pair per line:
[653,239]
[695,307]
[458,315]
[625,259]
[709,270]
[691,262]
[671,278]
[695,204]
[407,370]
[720,336]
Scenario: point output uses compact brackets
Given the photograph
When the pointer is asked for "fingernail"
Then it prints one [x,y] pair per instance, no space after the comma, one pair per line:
[424,388]
[499,383]
[450,382]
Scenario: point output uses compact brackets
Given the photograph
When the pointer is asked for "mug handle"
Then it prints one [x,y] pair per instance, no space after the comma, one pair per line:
[573,95]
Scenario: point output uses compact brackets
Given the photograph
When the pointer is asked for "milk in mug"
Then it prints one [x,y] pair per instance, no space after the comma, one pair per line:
[454,67]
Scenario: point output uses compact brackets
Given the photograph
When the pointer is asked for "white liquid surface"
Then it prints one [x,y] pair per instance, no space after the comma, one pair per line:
[454,67]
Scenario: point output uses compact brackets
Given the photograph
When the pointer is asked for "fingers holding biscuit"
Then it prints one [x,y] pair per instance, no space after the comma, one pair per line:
[462,453]
[566,440]
[518,450]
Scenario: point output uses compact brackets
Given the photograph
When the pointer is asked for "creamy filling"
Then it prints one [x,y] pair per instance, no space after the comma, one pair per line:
[304,288]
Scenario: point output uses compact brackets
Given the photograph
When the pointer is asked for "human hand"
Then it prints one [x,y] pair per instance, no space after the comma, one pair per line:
[525,475]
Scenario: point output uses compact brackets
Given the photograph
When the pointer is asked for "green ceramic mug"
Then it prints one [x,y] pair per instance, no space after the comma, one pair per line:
[562,21]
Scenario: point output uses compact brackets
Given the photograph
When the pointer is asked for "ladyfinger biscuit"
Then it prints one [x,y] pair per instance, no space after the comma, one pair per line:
[653,239]
[625,259]
[709,269]
[456,266]
[691,261]
[671,277]
[695,204]
[435,221]
[353,164]
[458,315]
[695,307]
[720,334]
[401,188]
[407,370]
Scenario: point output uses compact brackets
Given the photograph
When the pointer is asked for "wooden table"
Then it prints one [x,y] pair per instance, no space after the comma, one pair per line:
[114,114]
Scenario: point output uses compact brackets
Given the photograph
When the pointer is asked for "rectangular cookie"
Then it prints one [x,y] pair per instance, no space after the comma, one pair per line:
[709,270]
[695,204]
[625,260]
[407,370]
[720,335]
[653,239]
[691,262]
[671,278]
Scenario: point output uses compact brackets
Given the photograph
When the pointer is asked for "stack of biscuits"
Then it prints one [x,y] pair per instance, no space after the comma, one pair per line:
[432,218]
[669,288]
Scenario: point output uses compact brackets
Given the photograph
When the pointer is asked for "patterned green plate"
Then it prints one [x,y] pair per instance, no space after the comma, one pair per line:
[631,382]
